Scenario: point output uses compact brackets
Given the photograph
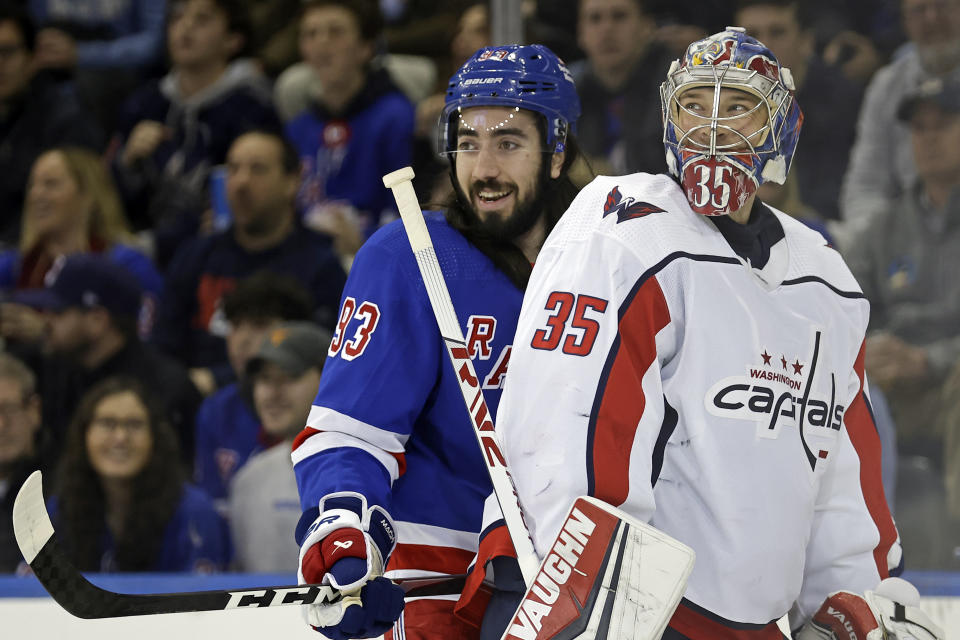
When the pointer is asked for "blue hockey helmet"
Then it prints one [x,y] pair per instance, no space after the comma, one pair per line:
[524,76]
[710,159]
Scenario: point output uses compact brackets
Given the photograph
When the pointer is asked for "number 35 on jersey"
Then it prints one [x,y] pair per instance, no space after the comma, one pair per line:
[572,321]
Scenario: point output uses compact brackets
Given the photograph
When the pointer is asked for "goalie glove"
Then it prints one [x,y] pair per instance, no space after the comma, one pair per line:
[346,547]
[891,612]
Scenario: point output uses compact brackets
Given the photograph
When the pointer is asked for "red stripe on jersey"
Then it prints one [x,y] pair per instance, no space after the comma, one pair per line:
[616,416]
[696,626]
[866,442]
[473,599]
[304,435]
[430,558]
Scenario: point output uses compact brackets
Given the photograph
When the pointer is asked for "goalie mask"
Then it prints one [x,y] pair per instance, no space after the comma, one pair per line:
[521,76]
[730,121]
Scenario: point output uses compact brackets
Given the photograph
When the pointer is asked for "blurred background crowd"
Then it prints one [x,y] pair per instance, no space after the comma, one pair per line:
[184,183]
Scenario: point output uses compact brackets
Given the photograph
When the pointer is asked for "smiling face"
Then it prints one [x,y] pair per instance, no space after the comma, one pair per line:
[54,203]
[283,401]
[119,440]
[498,167]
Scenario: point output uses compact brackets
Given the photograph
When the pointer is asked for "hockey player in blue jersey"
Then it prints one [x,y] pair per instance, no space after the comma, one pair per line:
[391,479]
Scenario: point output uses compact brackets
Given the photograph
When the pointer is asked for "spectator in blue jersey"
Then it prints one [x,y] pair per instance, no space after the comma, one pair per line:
[120,503]
[20,439]
[620,125]
[71,206]
[105,49]
[173,130]
[228,431]
[264,505]
[786,27]
[91,306]
[263,175]
[388,464]
[359,128]
[35,115]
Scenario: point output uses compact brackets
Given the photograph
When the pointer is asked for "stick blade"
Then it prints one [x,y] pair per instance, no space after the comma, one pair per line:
[608,576]
[31,523]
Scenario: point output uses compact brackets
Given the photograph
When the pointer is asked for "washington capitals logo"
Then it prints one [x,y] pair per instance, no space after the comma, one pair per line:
[627,209]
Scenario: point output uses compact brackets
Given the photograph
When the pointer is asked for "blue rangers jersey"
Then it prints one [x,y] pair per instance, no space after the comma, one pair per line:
[389,420]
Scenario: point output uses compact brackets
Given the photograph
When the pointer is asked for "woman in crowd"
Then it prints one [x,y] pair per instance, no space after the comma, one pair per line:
[71,206]
[122,503]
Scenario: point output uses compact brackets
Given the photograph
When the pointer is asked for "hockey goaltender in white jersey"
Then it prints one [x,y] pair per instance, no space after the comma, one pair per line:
[655,369]
[696,358]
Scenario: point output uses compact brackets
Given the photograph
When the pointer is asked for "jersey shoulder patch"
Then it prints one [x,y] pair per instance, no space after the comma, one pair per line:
[627,208]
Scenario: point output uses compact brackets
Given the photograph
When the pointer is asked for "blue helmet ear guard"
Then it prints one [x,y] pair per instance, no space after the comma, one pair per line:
[528,77]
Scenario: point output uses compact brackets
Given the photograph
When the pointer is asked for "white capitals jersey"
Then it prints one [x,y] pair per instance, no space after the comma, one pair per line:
[655,369]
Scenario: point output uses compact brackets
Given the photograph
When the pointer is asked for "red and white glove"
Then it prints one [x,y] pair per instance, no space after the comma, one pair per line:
[346,547]
[891,612]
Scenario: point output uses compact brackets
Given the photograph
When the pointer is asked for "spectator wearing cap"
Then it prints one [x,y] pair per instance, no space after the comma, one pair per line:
[228,431]
[91,305]
[906,264]
[264,502]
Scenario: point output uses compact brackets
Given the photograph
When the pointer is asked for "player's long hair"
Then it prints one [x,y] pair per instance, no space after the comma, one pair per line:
[555,196]
[81,501]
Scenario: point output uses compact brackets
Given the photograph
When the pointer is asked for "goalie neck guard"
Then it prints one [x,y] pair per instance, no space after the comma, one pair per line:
[719,165]
[521,76]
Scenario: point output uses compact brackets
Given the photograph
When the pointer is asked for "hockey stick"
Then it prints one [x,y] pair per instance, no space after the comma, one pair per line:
[73,592]
[607,574]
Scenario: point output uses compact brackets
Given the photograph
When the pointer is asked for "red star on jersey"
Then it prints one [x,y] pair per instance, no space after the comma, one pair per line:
[797,367]
[783,361]
[766,357]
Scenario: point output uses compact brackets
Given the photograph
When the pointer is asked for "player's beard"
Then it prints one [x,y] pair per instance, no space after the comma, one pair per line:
[524,216]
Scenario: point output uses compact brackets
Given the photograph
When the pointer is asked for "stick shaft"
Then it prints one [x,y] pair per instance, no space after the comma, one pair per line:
[481,419]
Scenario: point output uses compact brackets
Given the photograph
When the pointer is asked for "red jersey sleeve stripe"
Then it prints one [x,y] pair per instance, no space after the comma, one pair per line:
[620,401]
[448,560]
[866,442]
[304,435]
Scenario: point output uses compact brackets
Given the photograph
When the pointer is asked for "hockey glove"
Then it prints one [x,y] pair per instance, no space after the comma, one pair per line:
[346,547]
[891,612]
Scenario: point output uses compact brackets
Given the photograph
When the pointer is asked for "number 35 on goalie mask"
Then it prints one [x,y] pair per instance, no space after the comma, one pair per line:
[730,121]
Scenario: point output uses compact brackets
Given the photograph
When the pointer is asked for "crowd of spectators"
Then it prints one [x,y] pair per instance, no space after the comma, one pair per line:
[184,183]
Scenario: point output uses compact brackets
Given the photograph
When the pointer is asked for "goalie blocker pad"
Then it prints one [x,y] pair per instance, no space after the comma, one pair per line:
[607,576]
